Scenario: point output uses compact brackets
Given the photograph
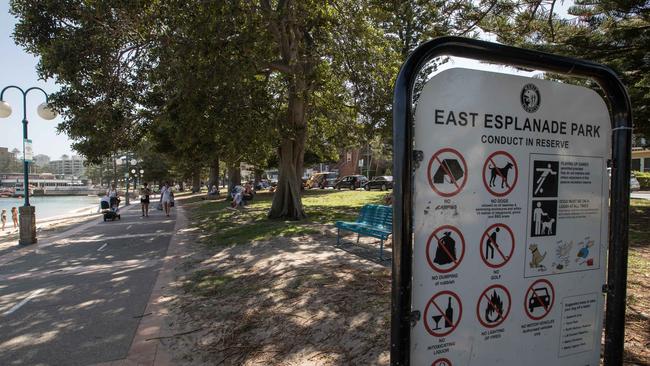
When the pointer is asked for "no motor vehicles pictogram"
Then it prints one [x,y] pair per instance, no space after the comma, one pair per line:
[445,249]
[500,173]
[539,299]
[442,313]
[493,306]
[447,172]
[497,245]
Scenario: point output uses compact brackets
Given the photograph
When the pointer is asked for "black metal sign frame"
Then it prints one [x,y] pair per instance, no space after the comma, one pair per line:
[621,118]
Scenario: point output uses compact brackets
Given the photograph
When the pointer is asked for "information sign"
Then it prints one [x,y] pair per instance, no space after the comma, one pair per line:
[28,152]
[510,193]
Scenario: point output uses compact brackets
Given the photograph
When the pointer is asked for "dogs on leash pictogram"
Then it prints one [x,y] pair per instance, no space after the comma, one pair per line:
[447,172]
[441,362]
[543,218]
[493,306]
[545,178]
[445,249]
[442,313]
[497,245]
[539,299]
[500,173]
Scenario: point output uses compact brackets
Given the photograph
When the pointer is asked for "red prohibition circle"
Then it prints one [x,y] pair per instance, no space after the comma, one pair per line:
[527,301]
[462,252]
[434,158]
[485,236]
[441,362]
[431,303]
[514,182]
[503,316]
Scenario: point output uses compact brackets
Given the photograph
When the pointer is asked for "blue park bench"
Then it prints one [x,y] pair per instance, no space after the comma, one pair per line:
[373,220]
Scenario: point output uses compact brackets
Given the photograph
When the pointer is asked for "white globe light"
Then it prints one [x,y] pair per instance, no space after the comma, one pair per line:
[141,171]
[133,162]
[132,171]
[46,112]
[5,109]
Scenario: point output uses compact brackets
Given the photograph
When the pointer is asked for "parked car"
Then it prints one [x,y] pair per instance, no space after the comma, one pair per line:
[634,183]
[382,182]
[351,182]
[322,180]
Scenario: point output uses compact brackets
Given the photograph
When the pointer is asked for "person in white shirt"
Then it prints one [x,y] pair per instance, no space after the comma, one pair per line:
[166,197]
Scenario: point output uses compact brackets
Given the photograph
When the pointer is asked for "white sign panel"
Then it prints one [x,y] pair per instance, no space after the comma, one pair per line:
[28,152]
[510,221]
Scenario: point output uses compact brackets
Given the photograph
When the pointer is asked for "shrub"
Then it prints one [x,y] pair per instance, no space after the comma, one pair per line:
[644,179]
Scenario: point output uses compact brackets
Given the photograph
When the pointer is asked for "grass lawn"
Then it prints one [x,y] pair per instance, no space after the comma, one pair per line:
[221,226]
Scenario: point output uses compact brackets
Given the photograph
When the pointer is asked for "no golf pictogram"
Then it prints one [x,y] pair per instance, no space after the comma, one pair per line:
[441,362]
[447,172]
[445,249]
[497,245]
[493,306]
[539,299]
[442,313]
[500,173]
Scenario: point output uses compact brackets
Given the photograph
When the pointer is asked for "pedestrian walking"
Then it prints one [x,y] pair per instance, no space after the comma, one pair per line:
[144,199]
[4,219]
[14,216]
[113,196]
[166,197]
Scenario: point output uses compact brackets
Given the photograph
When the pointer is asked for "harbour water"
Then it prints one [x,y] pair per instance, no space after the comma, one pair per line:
[53,206]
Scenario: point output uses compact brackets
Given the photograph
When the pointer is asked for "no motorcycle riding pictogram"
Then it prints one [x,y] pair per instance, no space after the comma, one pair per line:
[500,173]
[447,172]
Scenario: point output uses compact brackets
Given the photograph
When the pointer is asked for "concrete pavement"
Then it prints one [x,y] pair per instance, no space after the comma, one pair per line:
[643,195]
[78,298]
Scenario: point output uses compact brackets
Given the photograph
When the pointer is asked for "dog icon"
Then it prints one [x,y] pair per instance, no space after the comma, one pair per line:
[547,226]
[501,172]
[537,259]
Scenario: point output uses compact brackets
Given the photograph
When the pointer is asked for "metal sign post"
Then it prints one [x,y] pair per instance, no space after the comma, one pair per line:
[500,224]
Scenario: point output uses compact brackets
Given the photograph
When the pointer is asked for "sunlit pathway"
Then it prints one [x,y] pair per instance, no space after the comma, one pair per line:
[78,300]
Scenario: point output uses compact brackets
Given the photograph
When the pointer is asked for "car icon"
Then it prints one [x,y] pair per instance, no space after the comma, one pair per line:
[539,298]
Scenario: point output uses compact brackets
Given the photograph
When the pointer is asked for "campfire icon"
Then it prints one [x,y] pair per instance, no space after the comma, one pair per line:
[494,308]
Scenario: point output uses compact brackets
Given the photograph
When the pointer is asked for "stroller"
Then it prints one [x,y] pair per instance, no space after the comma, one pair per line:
[110,209]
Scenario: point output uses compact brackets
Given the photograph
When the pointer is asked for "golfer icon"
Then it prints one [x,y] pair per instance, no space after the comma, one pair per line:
[491,243]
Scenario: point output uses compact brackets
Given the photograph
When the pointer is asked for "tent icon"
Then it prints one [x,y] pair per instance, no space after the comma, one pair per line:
[451,169]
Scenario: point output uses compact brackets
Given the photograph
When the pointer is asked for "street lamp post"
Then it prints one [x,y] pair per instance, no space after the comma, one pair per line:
[27,212]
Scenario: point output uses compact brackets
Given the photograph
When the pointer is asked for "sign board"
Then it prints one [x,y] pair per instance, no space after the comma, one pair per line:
[360,163]
[510,221]
[28,152]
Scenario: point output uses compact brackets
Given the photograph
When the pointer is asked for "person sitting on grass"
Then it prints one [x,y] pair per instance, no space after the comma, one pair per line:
[214,191]
[237,195]
[248,193]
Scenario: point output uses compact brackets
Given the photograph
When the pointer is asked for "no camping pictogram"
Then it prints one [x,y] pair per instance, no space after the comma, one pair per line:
[497,245]
[441,362]
[445,249]
[442,313]
[447,172]
[539,299]
[493,306]
[500,173]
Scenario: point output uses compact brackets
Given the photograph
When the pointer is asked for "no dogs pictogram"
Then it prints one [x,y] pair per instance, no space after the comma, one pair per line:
[497,245]
[539,299]
[493,306]
[447,172]
[445,249]
[500,173]
[442,313]
[441,362]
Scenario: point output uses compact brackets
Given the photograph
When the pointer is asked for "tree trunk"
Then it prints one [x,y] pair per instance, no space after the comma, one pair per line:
[196,180]
[115,171]
[234,175]
[287,203]
[213,180]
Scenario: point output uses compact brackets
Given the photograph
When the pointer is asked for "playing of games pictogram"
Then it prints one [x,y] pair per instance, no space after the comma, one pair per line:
[447,172]
[500,173]
[545,178]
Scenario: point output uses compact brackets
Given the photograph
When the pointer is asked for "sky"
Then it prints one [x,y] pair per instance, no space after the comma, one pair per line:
[17,67]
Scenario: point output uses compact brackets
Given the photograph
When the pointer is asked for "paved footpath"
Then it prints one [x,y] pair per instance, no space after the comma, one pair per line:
[78,298]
